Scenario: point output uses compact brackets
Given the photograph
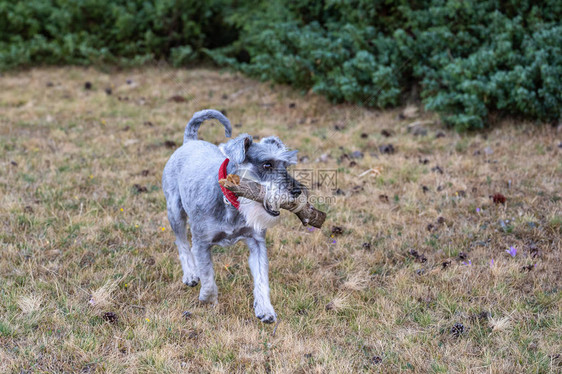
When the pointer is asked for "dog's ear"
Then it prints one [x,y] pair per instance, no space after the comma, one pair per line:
[283,153]
[275,141]
[290,157]
[236,148]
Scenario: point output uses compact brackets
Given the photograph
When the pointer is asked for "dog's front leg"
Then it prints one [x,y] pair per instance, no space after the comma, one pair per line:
[209,289]
[259,267]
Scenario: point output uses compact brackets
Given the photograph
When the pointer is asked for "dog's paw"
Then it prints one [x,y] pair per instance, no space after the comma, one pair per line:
[267,318]
[209,295]
[190,280]
[266,314]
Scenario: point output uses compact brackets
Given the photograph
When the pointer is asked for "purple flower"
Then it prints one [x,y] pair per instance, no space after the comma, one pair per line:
[334,241]
[491,262]
[467,264]
[477,210]
[311,229]
[512,251]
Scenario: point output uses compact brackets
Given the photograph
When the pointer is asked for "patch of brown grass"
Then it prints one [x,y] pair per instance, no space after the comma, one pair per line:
[84,232]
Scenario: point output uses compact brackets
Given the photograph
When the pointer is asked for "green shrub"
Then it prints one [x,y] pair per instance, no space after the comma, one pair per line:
[102,31]
[468,57]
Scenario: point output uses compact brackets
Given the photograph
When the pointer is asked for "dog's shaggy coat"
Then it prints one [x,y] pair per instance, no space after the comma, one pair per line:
[193,195]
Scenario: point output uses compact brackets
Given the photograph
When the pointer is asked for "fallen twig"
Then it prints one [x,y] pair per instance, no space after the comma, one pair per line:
[300,206]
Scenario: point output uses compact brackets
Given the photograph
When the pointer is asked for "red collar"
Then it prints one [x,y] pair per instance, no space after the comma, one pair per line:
[230,196]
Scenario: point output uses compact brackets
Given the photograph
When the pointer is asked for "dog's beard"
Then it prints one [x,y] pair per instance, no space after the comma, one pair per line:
[256,216]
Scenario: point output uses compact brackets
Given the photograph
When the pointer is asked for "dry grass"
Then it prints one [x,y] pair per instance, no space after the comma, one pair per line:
[79,239]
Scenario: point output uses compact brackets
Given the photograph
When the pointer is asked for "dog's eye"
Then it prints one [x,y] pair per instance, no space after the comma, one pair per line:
[267,166]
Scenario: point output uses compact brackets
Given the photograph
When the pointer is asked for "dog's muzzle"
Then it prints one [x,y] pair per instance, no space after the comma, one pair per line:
[271,212]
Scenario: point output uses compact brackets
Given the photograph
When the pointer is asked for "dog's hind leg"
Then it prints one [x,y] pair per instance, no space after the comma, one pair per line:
[202,253]
[259,267]
[178,218]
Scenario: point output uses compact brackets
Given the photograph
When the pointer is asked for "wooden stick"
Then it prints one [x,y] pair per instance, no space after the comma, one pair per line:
[249,189]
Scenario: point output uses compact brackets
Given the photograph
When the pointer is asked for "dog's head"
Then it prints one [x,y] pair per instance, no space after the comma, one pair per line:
[265,162]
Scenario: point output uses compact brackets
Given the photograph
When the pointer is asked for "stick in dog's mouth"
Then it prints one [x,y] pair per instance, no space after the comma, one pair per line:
[252,190]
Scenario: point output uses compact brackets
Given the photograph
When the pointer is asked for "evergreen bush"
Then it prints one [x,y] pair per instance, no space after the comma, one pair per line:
[468,57]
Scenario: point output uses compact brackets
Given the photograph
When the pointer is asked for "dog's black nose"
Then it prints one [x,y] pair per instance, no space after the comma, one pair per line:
[296,191]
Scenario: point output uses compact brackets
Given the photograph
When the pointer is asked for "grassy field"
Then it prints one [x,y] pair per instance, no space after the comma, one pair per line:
[409,274]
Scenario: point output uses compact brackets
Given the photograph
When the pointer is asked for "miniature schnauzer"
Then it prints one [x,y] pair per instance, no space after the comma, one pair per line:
[216,216]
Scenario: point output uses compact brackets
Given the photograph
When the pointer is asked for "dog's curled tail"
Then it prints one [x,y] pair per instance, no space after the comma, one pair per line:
[198,118]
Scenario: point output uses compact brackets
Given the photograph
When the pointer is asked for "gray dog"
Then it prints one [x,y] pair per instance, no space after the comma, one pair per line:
[216,217]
